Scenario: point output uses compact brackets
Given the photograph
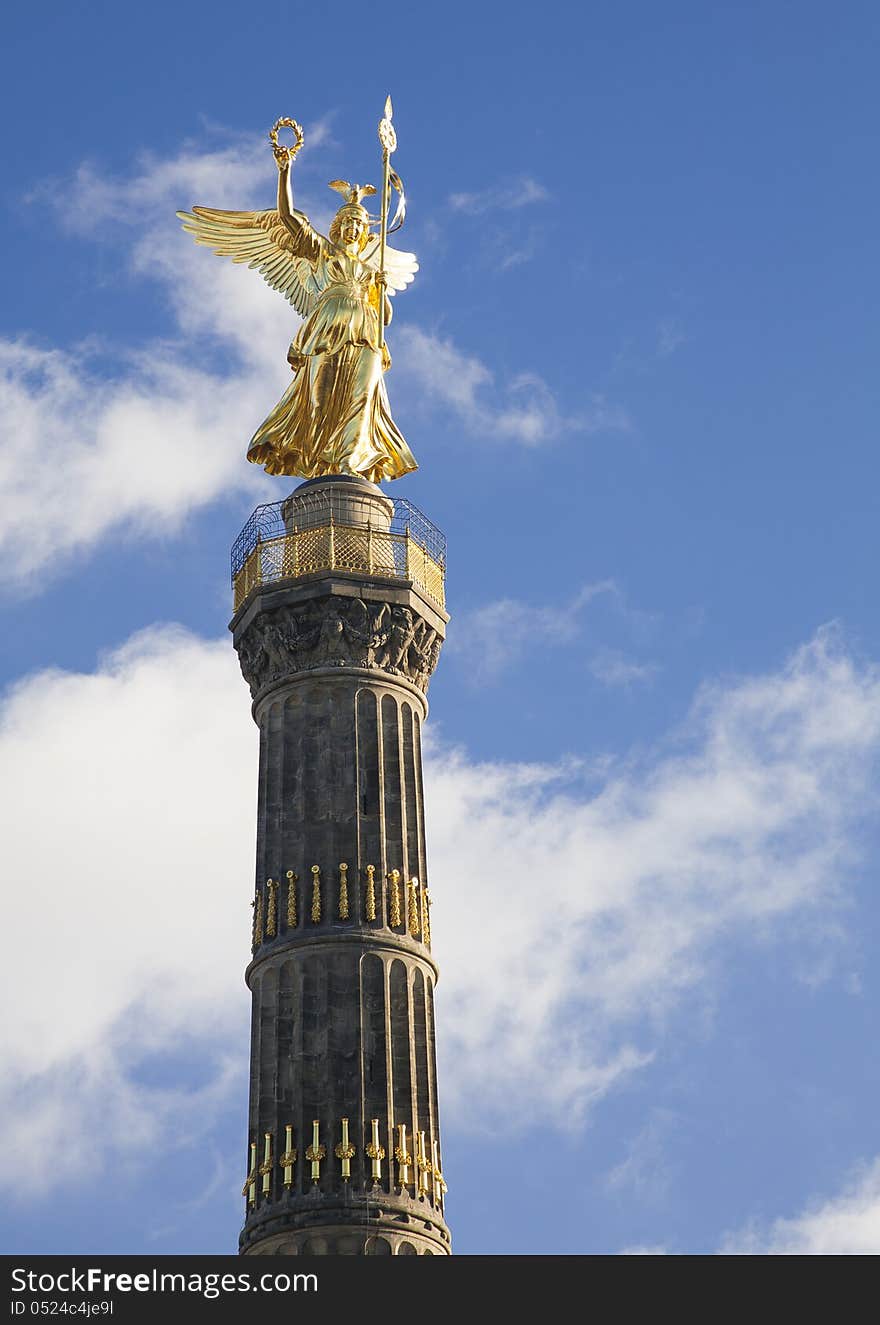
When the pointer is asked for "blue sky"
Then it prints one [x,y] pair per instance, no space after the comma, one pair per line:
[638,370]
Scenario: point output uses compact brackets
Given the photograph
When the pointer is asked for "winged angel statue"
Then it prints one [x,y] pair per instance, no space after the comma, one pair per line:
[334,418]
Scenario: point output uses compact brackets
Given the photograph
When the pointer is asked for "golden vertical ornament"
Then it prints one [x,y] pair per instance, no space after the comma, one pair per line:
[394,916]
[403,1157]
[426,918]
[414,925]
[375,1151]
[272,908]
[316,1151]
[258,920]
[250,1186]
[440,1187]
[288,1159]
[424,1165]
[345,1151]
[265,1169]
[291,900]
[343,891]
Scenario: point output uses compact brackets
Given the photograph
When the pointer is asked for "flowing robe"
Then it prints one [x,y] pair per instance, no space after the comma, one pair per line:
[334,418]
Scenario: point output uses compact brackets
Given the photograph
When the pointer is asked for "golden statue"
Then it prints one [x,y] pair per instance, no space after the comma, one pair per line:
[334,418]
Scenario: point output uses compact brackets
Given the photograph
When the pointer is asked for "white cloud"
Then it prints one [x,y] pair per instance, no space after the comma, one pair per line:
[613,903]
[84,455]
[128,850]
[846,1225]
[524,410]
[129,803]
[521,193]
[613,668]
[492,637]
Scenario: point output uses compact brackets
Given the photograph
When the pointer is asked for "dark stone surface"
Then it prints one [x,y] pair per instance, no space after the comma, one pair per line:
[337,631]
[343,1016]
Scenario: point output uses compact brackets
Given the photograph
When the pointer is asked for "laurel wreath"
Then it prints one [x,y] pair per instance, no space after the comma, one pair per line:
[286,123]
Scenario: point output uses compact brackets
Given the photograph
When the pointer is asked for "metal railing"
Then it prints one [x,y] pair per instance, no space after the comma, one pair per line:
[324,533]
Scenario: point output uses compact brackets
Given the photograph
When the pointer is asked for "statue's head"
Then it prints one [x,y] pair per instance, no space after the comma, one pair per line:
[351,224]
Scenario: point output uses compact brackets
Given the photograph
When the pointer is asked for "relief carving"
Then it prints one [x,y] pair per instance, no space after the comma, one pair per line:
[337,632]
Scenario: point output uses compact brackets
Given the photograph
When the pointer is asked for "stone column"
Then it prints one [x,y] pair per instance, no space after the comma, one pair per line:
[342,976]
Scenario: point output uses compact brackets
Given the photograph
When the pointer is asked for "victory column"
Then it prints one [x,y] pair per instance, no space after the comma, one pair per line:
[339,620]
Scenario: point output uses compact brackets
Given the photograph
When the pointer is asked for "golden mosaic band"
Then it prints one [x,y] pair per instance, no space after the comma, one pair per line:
[340,547]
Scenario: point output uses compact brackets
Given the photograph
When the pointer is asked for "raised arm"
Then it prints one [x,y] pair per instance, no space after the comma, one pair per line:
[306,242]
[285,195]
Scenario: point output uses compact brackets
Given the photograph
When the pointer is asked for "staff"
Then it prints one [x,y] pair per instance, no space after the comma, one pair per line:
[388,139]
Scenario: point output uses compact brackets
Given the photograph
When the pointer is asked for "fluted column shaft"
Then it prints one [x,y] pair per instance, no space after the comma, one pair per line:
[342,976]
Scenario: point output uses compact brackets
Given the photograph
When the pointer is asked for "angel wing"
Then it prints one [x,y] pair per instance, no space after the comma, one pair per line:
[262,241]
[400,267]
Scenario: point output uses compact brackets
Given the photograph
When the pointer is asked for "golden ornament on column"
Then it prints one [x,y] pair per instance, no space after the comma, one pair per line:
[394,916]
[250,1185]
[316,1151]
[370,899]
[316,894]
[258,920]
[414,926]
[288,1159]
[343,891]
[265,1169]
[440,1187]
[375,1151]
[291,899]
[426,917]
[271,908]
[345,1151]
[423,1164]
[403,1157]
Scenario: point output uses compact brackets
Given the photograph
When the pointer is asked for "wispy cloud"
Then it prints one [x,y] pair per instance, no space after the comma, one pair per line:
[514,253]
[524,410]
[614,668]
[669,336]
[847,1224]
[494,636]
[490,638]
[522,192]
[646,1172]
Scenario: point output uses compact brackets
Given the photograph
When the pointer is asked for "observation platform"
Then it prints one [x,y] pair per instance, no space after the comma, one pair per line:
[344,524]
